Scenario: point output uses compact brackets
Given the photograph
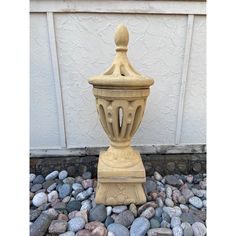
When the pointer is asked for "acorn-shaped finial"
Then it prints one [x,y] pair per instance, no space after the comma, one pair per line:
[121,38]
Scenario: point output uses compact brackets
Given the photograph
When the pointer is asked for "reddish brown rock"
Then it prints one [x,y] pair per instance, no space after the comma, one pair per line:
[93,225]
[87,183]
[62,217]
[57,227]
[145,206]
[84,232]
[99,231]
[83,214]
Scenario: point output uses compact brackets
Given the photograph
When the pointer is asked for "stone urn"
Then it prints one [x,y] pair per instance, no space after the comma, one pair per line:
[121,94]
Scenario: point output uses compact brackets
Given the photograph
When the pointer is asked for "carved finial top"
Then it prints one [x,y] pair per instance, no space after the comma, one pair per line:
[121,38]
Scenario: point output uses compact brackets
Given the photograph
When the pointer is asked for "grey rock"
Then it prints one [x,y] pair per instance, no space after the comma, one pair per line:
[165,216]
[173,180]
[85,194]
[184,208]
[199,229]
[119,209]
[118,229]
[51,187]
[148,213]
[190,217]
[159,212]
[203,184]
[76,186]
[52,213]
[32,177]
[159,232]
[34,214]
[178,231]
[125,218]
[48,183]
[52,175]
[160,202]
[172,211]
[187,193]
[39,179]
[139,227]
[69,180]
[64,190]
[175,221]
[181,199]
[154,223]
[63,174]
[150,186]
[57,227]
[74,205]
[34,188]
[87,175]
[76,224]
[68,233]
[98,213]
[169,202]
[204,202]
[165,224]
[60,206]
[109,220]
[196,202]
[40,226]
[199,192]
[39,199]
[187,229]
[86,205]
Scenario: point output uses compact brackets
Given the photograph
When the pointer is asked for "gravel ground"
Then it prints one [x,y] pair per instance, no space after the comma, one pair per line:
[64,205]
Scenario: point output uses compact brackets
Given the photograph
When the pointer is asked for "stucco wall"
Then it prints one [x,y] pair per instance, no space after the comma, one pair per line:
[73,40]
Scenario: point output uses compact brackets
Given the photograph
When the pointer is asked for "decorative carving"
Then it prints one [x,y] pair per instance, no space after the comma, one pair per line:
[121,94]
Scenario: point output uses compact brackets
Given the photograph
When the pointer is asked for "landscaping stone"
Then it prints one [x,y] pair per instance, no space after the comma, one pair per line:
[98,213]
[187,229]
[133,209]
[119,209]
[196,202]
[40,226]
[52,196]
[109,220]
[76,224]
[73,206]
[87,183]
[34,188]
[87,175]
[84,232]
[39,199]
[169,202]
[99,231]
[139,227]
[57,227]
[148,213]
[118,229]
[64,190]
[157,176]
[178,231]
[85,194]
[52,175]
[199,229]
[92,225]
[63,174]
[86,205]
[150,186]
[160,232]
[125,218]
[51,187]
[68,233]
[154,223]
[39,179]
[173,180]
[175,221]
[34,214]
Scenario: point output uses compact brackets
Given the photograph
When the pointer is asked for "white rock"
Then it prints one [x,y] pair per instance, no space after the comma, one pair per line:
[168,192]
[178,231]
[109,210]
[196,202]
[39,199]
[187,229]
[157,176]
[175,221]
[52,175]
[63,174]
[199,229]
[52,196]
[110,233]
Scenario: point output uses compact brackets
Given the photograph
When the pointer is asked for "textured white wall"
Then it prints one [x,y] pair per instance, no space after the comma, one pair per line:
[85,47]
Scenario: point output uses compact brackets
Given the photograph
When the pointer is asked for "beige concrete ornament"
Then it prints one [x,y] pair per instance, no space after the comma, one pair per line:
[121,94]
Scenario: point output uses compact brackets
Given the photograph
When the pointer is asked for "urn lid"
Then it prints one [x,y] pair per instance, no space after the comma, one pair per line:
[121,73]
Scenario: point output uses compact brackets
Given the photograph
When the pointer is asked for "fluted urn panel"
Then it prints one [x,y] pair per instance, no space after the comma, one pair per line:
[121,94]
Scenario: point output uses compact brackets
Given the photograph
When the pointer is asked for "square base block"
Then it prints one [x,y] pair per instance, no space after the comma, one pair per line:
[120,186]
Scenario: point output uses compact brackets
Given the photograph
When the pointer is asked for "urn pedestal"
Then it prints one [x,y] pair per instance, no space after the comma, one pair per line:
[121,94]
